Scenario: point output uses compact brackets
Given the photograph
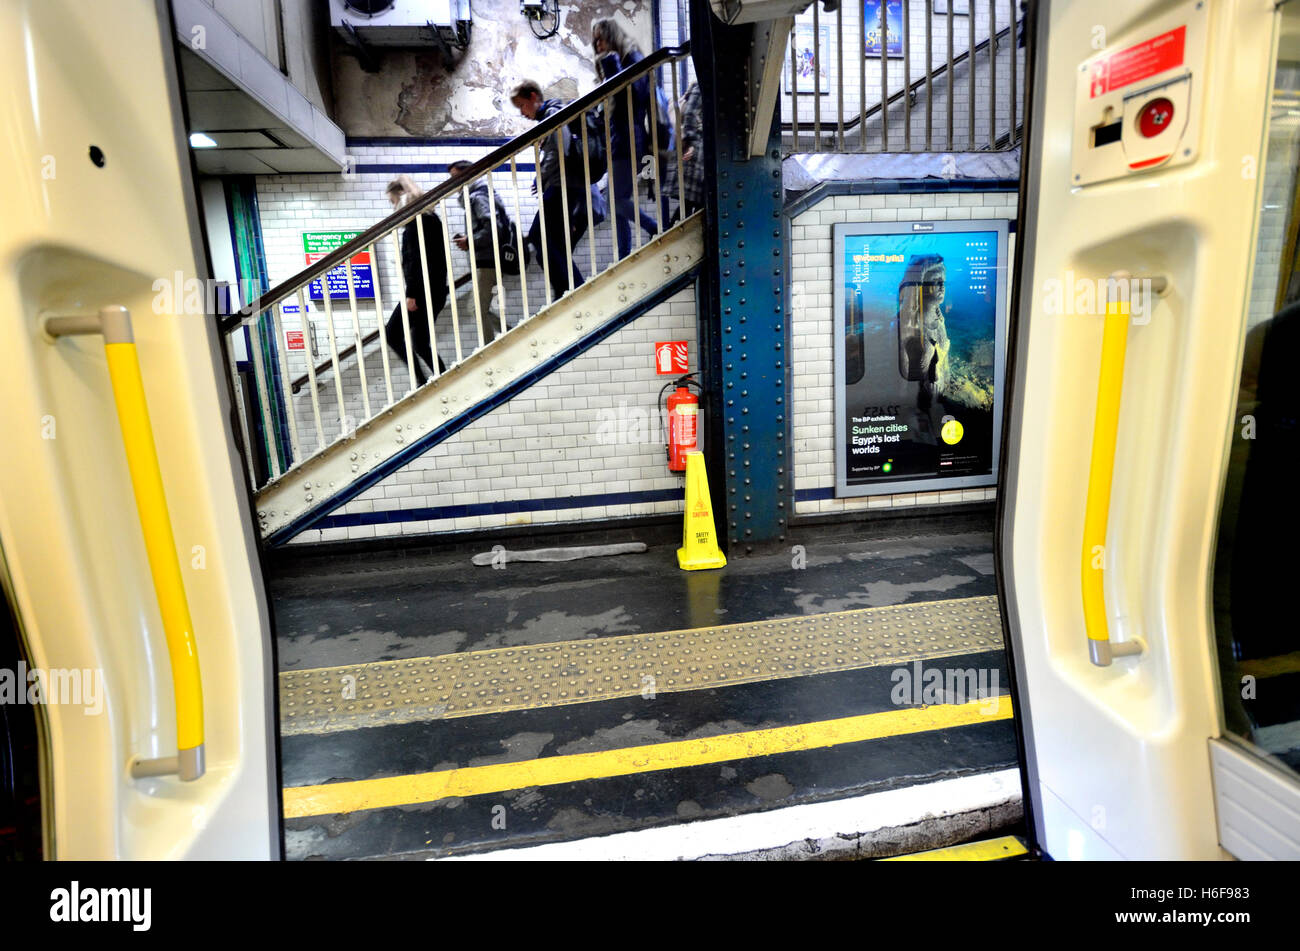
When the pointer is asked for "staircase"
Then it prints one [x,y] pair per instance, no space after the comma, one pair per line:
[328,446]
[947,81]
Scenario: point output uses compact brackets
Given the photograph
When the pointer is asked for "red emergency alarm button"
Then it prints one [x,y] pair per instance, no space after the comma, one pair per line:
[1155,117]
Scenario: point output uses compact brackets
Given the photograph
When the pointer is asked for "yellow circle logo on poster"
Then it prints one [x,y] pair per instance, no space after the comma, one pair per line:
[952,432]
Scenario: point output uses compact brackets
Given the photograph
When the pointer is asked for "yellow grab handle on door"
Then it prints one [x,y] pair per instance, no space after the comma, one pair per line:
[159,541]
[1105,430]
[1101,470]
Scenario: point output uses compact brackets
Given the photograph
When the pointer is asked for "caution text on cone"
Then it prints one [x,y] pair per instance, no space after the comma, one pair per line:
[699,539]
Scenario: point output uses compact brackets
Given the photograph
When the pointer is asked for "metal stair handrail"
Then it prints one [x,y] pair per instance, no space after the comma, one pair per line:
[910,88]
[487,163]
[324,365]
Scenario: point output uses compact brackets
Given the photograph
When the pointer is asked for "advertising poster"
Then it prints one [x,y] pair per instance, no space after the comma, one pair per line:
[892,26]
[919,338]
[803,69]
[317,244]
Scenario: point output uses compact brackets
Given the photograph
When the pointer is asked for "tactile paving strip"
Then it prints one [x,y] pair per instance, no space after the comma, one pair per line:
[332,699]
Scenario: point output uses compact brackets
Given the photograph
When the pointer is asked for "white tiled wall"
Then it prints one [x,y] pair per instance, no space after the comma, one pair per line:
[812,309]
[1279,176]
[290,205]
[587,429]
[672,29]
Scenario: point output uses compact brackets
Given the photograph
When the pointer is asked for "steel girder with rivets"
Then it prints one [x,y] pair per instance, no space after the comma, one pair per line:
[744,332]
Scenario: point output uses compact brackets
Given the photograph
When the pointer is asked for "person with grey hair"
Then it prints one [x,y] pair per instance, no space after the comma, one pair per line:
[483,216]
[418,311]
[616,51]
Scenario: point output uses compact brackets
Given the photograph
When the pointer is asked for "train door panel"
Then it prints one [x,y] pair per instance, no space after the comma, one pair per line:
[1140,220]
[100,208]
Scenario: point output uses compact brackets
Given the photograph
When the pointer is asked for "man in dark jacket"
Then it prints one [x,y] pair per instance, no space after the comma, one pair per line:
[483,256]
[553,174]
[416,311]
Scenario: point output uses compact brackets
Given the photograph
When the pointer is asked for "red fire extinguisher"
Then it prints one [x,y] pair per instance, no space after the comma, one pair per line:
[683,420]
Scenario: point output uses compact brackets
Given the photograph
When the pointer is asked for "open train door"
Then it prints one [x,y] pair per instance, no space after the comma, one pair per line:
[126,547]
[1147,461]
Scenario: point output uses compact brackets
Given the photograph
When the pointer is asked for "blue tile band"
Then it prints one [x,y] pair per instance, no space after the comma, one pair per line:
[439,512]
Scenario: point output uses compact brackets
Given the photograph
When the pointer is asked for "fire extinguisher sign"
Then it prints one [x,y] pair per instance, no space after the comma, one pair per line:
[670,357]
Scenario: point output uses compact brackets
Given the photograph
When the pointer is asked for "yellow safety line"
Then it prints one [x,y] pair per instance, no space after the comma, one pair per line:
[336,798]
[159,541]
[990,850]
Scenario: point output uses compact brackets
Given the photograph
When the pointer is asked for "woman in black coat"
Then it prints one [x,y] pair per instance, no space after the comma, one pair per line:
[418,311]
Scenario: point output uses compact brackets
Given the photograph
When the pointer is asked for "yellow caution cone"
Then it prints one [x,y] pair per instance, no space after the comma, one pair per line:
[699,540]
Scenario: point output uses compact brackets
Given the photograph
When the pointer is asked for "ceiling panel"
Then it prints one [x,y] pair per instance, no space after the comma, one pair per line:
[252,138]
[230,162]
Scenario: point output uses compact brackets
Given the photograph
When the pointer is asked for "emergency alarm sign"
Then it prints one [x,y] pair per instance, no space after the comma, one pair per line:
[1137,102]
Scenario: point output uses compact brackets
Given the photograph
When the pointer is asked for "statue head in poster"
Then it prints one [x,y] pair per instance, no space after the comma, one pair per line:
[922,335]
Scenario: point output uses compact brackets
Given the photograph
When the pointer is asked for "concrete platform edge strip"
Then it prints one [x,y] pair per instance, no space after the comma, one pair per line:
[897,821]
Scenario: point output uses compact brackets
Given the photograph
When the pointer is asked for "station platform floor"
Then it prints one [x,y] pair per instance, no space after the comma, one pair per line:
[432,708]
